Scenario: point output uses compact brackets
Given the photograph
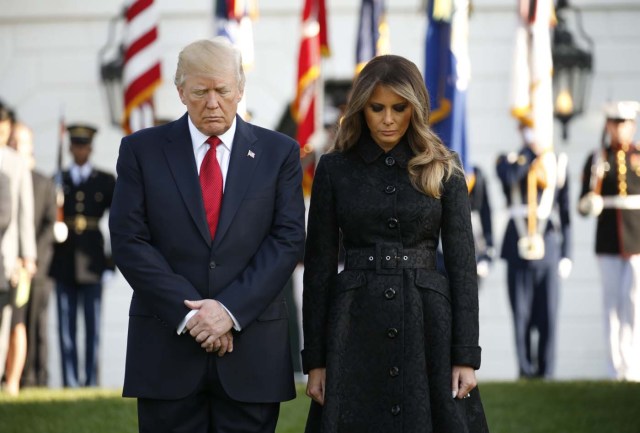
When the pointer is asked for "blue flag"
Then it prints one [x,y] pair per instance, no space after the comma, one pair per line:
[447,72]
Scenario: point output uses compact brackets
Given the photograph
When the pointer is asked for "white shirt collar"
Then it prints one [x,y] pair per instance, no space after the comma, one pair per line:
[198,138]
[80,173]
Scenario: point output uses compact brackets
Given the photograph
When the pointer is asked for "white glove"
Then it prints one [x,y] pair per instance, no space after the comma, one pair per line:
[591,204]
[482,268]
[564,267]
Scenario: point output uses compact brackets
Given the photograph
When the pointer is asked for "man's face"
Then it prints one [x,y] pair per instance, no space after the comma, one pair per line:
[5,132]
[211,100]
[80,153]
[621,131]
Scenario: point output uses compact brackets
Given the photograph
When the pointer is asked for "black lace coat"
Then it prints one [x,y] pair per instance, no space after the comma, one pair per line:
[389,327]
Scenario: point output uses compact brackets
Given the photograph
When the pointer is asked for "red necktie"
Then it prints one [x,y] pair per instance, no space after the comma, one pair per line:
[211,184]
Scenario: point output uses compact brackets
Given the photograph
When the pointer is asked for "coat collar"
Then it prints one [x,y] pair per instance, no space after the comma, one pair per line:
[369,151]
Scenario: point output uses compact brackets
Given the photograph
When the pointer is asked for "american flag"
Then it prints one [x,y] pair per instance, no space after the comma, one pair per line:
[141,75]
[313,44]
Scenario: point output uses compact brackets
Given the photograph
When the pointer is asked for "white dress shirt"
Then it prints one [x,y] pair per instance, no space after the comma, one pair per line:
[223,155]
[80,173]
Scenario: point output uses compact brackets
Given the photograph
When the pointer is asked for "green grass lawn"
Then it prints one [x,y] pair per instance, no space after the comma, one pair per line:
[511,407]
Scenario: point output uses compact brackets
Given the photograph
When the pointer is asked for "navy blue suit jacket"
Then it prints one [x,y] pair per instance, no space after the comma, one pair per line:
[162,246]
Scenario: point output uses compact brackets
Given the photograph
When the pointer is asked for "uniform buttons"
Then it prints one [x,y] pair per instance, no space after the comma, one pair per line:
[79,195]
[390,293]
[395,409]
[80,207]
[390,189]
[392,332]
[212,265]
[394,371]
[389,161]
[392,223]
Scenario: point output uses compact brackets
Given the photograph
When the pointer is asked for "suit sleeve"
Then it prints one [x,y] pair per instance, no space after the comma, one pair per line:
[26,225]
[147,271]
[45,236]
[5,203]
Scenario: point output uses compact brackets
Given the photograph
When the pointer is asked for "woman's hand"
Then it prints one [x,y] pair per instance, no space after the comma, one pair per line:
[315,384]
[463,380]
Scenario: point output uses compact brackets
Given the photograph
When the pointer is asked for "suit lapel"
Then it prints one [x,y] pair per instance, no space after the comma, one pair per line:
[244,159]
[178,150]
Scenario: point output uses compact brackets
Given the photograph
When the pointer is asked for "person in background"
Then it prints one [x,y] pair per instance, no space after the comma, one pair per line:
[390,344]
[78,263]
[481,221]
[536,247]
[5,219]
[18,243]
[207,225]
[35,371]
[611,193]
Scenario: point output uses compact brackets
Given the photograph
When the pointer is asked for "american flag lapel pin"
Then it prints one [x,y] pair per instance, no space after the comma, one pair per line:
[251,154]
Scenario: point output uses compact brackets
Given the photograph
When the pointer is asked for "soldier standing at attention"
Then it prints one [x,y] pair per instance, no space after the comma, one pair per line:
[611,192]
[536,247]
[79,262]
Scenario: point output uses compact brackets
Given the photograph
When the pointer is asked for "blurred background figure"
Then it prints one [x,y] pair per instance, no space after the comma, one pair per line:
[536,248]
[80,261]
[18,249]
[611,192]
[481,221]
[5,218]
[32,331]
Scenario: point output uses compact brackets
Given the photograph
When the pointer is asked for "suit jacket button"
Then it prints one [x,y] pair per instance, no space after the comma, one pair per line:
[395,409]
[392,332]
[394,371]
[390,189]
[390,293]
[389,161]
[212,265]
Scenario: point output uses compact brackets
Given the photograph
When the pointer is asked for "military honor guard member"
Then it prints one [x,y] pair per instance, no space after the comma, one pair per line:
[481,220]
[536,247]
[611,193]
[79,262]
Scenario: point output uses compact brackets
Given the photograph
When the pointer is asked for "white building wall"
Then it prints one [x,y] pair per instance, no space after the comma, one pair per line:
[49,66]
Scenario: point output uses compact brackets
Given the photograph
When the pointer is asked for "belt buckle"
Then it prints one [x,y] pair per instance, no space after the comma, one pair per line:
[387,258]
[80,223]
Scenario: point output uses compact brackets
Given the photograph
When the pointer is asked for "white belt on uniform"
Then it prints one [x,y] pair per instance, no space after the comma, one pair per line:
[621,202]
[522,211]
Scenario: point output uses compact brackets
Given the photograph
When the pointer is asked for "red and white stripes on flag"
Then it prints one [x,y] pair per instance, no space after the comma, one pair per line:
[532,94]
[141,74]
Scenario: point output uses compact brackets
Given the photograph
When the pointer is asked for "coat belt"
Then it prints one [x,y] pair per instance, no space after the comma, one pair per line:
[390,258]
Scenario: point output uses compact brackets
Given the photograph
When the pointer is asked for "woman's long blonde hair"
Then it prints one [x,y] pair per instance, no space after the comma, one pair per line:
[433,162]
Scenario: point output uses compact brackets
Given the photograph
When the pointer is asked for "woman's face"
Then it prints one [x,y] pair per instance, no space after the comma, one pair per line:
[388,116]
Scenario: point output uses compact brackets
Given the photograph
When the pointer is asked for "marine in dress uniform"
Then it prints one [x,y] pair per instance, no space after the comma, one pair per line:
[79,262]
[611,192]
[536,247]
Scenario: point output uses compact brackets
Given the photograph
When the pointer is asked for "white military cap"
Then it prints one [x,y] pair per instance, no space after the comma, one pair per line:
[622,110]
